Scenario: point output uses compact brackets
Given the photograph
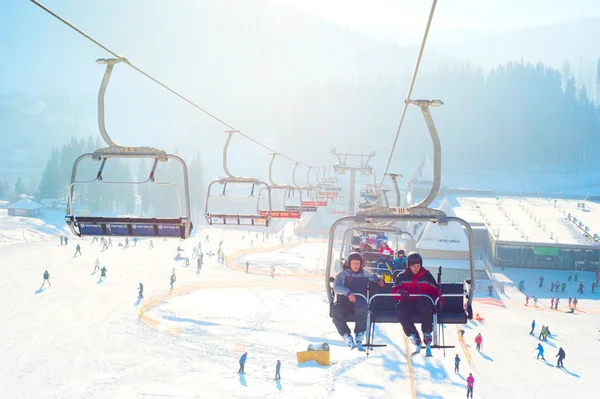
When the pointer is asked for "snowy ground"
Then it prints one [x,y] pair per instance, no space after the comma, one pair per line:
[84,338]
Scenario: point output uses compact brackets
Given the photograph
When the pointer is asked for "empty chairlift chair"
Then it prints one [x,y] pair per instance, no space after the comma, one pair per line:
[180,226]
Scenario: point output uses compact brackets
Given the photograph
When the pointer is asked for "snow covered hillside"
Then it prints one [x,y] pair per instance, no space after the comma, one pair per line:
[87,337]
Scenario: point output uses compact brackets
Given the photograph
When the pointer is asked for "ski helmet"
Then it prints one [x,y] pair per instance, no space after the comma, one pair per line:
[355,256]
[413,258]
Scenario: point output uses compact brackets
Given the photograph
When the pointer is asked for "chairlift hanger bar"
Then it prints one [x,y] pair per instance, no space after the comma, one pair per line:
[158,82]
[408,96]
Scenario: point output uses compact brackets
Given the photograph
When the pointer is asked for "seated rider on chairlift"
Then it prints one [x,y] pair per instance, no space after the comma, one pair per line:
[385,262]
[352,279]
[415,279]
[400,261]
[385,246]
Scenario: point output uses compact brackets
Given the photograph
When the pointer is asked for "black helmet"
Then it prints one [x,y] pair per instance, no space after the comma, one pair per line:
[355,256]
[413,258]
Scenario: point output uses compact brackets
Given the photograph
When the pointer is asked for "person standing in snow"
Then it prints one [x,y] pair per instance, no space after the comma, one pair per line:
[141,292]
[247,266]
[103,273]
[277,370]
[561,355]
[77,250]
[242,361]
[540,350]
[470,385]
[96,265]
[61,240]
[478,342]
[541,281]
[532,327]
[172,280]
[456,364]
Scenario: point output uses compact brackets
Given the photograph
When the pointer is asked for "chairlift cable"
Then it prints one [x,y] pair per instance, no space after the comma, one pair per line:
[164,86]
[410,89]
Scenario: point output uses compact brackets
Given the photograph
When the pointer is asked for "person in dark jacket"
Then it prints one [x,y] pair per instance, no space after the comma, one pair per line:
[353,278]
[46,278]
[141,288]
[561,355]
[415,279]
[243,362]
[456,364]
[277,370]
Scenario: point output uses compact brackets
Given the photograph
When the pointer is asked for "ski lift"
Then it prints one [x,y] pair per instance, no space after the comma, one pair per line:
[381,302]
[288,203]
[180,226]
[236,209]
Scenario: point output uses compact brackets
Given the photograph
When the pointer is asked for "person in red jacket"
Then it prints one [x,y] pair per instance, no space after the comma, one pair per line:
[415,279]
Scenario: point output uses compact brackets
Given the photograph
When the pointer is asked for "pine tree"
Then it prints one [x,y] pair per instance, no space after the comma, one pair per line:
[51,184]
[20,187]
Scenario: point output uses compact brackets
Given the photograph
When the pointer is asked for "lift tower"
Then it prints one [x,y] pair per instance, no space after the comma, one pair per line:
[342,166]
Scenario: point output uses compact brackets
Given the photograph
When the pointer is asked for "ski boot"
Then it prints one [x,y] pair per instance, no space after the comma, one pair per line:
[350,341]
[416,341]
[359,339]
[427,339]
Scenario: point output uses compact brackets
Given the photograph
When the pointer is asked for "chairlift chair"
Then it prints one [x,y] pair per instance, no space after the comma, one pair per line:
[247,215]
[179,227]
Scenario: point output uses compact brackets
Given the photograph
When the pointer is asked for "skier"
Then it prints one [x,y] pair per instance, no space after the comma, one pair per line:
[96,265]
[552,303]
[541,281]
[502,290]
[242,361]
[46,278]
[277,370]
[575,276]
[456,364]
[415,279]
[570,276]
[61,240]
[526,300]
[570,300]
[561,355]
[532,327]
[247,266]
[141,288]
[199,263]
[126,243]
[272,271]
[580,289]
[151,246]
[103,273]
[353,278]
[535,301]
[593,288]
[77,250]
[478,342]
[172,279]
[563,286]
[470,385]
[66,240]
[540,350]
[575,302]
[109,242]
[556,303]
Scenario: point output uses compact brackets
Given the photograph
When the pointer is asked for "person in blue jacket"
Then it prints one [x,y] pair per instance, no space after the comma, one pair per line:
[540,350]
[400,261]
[243,362]
[456,364]
[532,327]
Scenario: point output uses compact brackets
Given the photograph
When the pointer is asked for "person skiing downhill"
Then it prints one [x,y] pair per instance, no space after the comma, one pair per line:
[470,385]
[352,279]
[46,278]
[103,273]
[560,355]
[540,350]
[77,250]
[415,279]
[96,265]
[456,364]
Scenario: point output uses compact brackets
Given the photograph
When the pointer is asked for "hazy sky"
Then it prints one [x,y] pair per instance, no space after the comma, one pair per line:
[409,16]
